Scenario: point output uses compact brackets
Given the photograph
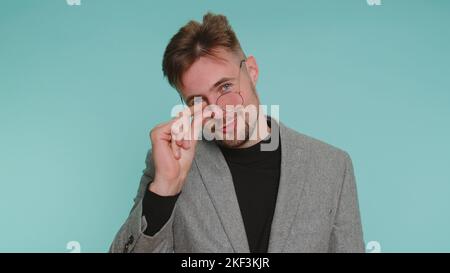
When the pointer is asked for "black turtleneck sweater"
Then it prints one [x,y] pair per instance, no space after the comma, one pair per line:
[256,176]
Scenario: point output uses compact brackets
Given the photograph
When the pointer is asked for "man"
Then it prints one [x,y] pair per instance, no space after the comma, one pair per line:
[229,194]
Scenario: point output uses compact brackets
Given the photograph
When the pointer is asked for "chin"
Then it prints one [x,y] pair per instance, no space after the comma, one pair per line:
[231,143]
[235,142]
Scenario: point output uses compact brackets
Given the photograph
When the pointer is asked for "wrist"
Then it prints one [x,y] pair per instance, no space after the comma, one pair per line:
[163,188]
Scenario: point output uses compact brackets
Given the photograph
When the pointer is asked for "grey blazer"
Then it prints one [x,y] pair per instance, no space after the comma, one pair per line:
[316,208]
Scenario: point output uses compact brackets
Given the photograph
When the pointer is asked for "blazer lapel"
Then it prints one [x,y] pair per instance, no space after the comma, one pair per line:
[292,180]
[218,181]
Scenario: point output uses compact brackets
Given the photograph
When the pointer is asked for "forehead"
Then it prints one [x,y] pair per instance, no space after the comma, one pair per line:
[207,70]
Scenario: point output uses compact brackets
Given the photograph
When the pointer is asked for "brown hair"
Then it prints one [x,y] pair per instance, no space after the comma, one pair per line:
[195,40]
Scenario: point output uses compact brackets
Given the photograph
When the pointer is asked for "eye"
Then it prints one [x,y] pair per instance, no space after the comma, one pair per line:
[227,87]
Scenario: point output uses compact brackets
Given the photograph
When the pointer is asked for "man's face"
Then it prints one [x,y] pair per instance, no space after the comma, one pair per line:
[209,77]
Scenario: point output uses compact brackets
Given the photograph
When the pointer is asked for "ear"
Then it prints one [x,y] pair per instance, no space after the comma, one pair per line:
[252,68]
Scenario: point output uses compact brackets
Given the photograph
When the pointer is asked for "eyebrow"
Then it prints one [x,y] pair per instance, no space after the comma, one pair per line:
[219,82]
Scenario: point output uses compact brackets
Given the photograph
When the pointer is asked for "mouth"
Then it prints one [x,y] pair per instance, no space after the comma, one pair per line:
[228,127]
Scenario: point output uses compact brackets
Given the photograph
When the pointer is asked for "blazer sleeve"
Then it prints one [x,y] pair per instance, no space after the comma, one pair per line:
[131,237]
[347,233]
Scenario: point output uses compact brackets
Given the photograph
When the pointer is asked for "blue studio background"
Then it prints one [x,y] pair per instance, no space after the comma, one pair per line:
[81,86]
